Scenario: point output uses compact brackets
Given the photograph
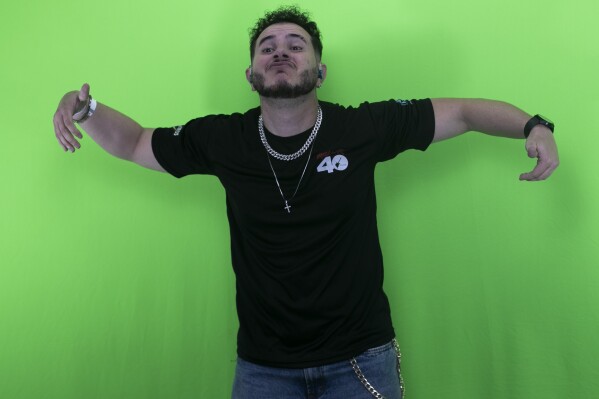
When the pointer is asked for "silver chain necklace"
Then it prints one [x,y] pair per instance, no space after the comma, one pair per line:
[301,151]
[287,207]
[290,157]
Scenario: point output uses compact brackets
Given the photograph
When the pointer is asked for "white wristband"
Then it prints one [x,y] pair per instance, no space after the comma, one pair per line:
[91,108]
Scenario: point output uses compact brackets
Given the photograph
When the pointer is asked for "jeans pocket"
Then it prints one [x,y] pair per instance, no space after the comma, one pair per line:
[377,350]
[378,370]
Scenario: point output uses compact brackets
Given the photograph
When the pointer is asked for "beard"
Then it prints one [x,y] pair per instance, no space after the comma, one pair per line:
[283,89]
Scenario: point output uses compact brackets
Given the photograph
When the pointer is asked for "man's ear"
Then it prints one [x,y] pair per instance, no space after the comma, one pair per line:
[250,77]
[322,74]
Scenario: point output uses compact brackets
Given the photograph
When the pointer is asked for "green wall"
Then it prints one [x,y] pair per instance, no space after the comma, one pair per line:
[115,281]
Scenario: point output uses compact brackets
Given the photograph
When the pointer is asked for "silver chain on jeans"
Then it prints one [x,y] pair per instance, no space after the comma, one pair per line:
[368,386]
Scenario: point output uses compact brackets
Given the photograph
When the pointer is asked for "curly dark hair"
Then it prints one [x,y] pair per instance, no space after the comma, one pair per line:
[291,14]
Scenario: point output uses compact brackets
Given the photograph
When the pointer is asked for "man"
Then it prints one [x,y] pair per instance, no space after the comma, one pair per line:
[299,179]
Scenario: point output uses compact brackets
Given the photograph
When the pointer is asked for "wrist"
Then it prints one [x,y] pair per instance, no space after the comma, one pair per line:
[540,130]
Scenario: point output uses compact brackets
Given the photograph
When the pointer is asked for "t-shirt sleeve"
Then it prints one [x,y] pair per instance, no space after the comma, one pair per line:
[402,125]
[188,149]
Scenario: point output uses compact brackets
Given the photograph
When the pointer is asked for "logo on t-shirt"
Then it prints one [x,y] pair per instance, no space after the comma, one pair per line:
[332,161]
[403,103]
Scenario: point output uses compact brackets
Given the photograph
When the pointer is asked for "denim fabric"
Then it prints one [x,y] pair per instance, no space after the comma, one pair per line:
[332,381]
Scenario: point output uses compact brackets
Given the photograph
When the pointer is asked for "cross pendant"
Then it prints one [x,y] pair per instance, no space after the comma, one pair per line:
[288,207]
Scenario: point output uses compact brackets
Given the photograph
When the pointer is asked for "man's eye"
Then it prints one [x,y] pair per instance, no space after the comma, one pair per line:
[297,48]
[267,50]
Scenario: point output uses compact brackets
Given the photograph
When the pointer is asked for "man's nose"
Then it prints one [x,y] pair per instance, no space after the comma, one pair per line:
[281,53]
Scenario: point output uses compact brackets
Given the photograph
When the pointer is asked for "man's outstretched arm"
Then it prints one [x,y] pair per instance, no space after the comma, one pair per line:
[116,133]
[456,116]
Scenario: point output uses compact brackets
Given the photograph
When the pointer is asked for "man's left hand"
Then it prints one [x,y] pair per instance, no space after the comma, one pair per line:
[541,145]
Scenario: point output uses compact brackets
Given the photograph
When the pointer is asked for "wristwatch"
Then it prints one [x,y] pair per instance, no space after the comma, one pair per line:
[537,120]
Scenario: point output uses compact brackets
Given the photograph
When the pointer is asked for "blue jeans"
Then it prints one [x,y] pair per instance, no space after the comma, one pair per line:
[333,381]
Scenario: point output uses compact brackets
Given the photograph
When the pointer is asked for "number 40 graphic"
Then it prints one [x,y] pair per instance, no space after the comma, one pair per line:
[339,162]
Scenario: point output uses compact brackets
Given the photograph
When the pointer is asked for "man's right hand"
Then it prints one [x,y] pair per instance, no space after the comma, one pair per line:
[116,133]
[64,128]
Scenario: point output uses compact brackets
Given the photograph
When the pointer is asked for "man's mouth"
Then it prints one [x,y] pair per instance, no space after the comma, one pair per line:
[281,64]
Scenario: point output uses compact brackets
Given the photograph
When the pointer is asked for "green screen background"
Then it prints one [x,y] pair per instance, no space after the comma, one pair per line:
[115,281]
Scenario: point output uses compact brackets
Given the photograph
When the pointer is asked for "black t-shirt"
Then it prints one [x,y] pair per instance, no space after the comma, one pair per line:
[309,282]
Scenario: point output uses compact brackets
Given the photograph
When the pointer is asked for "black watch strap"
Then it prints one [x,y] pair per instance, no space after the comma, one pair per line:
[537,120]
